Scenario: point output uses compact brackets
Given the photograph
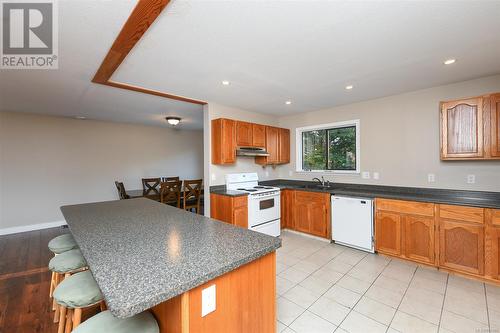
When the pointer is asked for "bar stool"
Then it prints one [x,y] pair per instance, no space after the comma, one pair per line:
[73,294]
[105,322]
[62,244]
[62,265]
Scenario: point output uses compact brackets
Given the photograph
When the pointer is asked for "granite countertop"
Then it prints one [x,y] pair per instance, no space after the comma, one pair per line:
[142,252]
[441,196]
[221,189]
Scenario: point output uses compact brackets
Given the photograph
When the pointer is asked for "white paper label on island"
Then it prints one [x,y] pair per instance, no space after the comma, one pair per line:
[208,300]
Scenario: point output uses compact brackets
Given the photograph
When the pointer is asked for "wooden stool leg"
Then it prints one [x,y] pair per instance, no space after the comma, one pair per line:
[57,312]
[69,320]
[52,283]
[77,317]
[103,306]
[62,319]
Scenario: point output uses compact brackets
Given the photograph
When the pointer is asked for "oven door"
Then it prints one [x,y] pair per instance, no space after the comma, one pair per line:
[263,208]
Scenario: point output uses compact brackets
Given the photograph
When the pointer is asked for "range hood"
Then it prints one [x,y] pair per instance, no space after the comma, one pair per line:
[251,151]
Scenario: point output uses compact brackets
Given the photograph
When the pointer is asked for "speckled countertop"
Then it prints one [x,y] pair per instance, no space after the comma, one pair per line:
[142,253]
[434,195]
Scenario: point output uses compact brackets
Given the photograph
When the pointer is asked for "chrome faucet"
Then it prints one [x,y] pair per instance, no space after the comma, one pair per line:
[321,181]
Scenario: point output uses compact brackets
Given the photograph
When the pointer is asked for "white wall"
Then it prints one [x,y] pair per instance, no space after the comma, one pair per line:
[46,162]
[400,139]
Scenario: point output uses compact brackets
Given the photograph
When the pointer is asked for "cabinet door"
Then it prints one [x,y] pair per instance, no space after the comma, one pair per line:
[272,140]
[495,125]
[240,216]
[287,209]
[462,129]
[492,257]
[284,145]
[244,134]
[461,246]
[301,216]
[223,141]
[259,135]
[318,216]
[419,238]
[388,233]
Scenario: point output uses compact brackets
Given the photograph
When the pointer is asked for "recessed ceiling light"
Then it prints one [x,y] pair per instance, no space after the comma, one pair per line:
[349,87]
[225,83]
[174,121]
[288,102]
[450,61]
[80,117]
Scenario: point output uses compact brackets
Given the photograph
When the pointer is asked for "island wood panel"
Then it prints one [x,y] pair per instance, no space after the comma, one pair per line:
[495,125]
[232,210]
[223,141]
[419,238]
[259,136]
[244,134]
[245,302]
[462,129]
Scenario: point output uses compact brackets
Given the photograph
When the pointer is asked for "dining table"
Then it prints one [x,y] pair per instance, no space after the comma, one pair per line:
[141,194]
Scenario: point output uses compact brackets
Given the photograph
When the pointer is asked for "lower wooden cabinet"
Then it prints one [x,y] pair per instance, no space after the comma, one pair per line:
[388,233]
[419,238]
[232,210]
[492,244]
[307,212]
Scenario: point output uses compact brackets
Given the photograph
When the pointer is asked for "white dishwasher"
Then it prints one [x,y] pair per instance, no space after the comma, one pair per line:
[352,222]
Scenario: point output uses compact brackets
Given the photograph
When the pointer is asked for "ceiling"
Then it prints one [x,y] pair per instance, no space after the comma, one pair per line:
[308,51]
[270,51]
[86,31]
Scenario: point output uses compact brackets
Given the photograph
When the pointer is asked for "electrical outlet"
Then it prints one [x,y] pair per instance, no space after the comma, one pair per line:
[213,177]
[290,172]
[471,179]
[376,175]
[365,175]
[431,178]
[208,301]
[267,174]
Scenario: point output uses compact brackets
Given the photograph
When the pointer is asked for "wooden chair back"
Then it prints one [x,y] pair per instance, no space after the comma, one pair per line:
[170,179]
[150,186]
[122,194]
[170,193]
[192,194]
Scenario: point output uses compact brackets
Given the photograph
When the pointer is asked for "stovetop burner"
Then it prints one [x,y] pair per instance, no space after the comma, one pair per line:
[246,189]
[263,187]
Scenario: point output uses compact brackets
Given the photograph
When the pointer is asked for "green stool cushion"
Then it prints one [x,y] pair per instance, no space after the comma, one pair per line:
[78,290]
[62,244]
[105,322]
[68,261]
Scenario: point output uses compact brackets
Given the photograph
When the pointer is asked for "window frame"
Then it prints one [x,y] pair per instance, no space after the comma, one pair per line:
[340,124]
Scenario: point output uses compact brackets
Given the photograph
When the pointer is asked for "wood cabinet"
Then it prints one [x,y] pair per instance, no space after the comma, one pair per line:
[259,136]
[286,204]
[311,213]
[232,210]
[405,229]
[284,146]
[461,238]
[244,134]
[495,125]
[492,244]
[272,147]
[223,141]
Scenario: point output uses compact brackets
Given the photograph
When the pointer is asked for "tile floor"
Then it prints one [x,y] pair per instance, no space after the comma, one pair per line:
[323,287]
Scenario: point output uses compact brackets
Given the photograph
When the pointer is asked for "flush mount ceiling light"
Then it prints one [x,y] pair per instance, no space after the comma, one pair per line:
[80,117]
[288,102]
[349,87]
[225,83]
[174,121]
[449,61]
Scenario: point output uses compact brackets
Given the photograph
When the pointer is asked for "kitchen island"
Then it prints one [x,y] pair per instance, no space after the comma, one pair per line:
[147,255]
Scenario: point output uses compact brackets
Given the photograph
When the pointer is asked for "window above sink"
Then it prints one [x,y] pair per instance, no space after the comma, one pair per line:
[333,147]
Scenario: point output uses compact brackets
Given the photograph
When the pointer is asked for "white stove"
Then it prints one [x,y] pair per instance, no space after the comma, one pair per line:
[263,202]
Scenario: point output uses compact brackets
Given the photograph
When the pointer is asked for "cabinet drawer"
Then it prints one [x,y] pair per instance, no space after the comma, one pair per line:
[461,213]
[307,196]
[495,217]
[405,207]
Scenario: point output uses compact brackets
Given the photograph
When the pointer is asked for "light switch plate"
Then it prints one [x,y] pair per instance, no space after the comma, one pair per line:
[471,179]
[290,172]
[208,301]
[376,175]
[365,175]
[431,178]
[267,174]
[214,177]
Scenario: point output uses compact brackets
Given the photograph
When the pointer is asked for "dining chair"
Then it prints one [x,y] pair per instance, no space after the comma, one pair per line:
[170,193]
[192,194]
[150,186]
[170,179]
[121,191]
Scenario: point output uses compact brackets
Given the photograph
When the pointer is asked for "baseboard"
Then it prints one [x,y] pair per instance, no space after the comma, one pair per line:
[307,235]
[32,227]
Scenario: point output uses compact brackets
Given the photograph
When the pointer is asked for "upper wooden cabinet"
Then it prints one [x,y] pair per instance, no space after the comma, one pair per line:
[462,124]
[470,128]
[223,141]
[495,125]
[228,134]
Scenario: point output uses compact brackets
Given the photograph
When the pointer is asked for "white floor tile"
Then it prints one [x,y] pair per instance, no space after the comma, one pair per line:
[327,274]
[421,310]
[338,266]
[421,282]
[316,285]
[294,275]
[410,324]
[357,323]
[302,296]
[306,266]
[343,296]
[288,311]
[385,296]
[426,297]
[280,327]
[375,310]
[389,283]
[329,310]
[459,324]
[354,284]
[464,283]
[283,285]
[310,323]
[463,308]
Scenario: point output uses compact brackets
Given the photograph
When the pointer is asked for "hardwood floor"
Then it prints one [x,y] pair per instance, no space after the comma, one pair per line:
[24,282]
